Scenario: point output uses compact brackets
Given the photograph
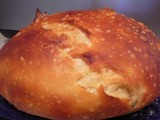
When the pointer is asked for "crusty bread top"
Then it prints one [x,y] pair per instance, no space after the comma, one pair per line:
[91,64]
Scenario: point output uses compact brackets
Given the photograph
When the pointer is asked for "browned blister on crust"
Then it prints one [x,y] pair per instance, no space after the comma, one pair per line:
[81,65]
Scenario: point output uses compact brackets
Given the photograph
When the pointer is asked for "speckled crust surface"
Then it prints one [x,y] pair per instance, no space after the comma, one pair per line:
[81,65]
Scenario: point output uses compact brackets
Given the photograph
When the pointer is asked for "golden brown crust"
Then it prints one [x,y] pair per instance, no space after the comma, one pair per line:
[81,65]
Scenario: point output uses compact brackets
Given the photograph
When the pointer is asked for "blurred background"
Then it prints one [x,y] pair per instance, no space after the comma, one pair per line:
[16,14]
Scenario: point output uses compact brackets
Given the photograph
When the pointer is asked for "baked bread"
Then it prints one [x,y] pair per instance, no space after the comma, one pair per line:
[81,65]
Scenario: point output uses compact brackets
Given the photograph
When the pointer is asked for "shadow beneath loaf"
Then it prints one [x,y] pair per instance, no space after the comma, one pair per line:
[151,112]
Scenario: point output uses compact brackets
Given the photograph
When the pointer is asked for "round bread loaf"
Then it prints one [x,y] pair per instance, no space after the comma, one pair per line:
[81,65]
